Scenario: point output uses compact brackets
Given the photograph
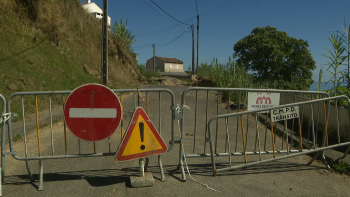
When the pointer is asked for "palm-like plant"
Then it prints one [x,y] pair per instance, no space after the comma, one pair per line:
[336,59]
[121,33]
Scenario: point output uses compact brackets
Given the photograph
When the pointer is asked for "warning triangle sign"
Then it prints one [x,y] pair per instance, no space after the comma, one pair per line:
[141,139]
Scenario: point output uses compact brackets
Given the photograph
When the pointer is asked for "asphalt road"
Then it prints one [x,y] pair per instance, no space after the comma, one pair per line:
[103,176]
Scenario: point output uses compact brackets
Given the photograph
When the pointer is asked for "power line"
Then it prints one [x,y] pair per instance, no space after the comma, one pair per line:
[174,39]
[165,43]
[161,30]
[168,14]
[225,6]
[142,46]
[159,12]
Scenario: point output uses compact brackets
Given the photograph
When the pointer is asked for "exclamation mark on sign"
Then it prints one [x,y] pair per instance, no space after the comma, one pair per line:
[141,126]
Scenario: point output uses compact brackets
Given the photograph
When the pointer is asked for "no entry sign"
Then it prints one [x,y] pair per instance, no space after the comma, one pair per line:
[92,112]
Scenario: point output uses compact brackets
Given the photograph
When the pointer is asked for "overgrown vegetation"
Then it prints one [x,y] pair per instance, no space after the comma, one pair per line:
[341,167]
[55,45]
[337,56]
[230,75]
[145,74]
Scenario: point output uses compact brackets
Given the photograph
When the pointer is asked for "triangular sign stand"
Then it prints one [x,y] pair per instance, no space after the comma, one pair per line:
[141,139]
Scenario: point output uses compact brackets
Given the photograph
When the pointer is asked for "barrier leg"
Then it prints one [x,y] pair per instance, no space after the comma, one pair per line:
[146,163]
[325,161]
[161,168]
[31,178]
[2,163]
[181,161]
[41,175]
[346,152]
[314,158]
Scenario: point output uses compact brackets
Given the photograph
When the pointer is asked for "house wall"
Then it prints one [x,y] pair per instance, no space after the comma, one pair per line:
[174,67]
[159,64]
[92,8]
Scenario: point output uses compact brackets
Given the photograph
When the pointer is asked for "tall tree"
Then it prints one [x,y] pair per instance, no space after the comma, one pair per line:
[273,56]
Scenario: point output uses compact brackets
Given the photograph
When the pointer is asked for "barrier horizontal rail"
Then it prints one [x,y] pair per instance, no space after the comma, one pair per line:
[62,94]
[238,94]
[301,151]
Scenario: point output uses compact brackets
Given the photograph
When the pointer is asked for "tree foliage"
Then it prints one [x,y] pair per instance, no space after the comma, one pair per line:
[273,56]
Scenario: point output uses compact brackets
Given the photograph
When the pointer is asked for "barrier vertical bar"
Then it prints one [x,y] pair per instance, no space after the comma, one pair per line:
[300,136]
[159,131]
[258,135]
[318,119]
[286,128]
[337,110]
[313,125]
[64,127]
[217,124]
[326,121]
[147,102]
[50,110]
[206,121]
[195,123]
[3,139]
[37,124]
[25,141]
[291,141]
[239,104]
[273,141]
[226,121]
[244,145]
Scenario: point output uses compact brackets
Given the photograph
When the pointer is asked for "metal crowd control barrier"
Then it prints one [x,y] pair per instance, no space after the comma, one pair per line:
[238,94]
[53,154]
[290,153]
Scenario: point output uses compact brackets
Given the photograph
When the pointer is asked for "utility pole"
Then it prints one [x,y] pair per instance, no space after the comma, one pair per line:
[104,71]
[197,42]
[192,49]
[154,57]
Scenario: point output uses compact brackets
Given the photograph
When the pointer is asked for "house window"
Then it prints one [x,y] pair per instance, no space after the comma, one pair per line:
[170,66]
[177,66]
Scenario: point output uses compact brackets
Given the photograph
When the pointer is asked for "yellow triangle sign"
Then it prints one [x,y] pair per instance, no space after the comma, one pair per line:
[141,139]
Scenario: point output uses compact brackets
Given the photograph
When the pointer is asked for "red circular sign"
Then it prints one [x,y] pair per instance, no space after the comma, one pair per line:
[92,112]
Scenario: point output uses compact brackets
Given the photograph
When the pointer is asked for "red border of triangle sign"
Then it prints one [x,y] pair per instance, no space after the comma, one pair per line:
[136,145]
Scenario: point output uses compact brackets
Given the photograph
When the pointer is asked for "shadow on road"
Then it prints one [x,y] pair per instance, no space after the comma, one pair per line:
[97,178]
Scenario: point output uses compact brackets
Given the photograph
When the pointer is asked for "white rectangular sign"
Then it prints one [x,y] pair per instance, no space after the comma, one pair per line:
[285,113]
[261,100]
[92,113]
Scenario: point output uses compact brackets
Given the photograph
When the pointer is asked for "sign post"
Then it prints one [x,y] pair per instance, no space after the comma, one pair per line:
[92,112]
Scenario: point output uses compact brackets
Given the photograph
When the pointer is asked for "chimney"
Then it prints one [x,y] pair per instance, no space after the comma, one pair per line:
[88,1]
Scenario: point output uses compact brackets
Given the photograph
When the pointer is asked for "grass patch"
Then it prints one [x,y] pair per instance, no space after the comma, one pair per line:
[18,138]
[55,45]
[341,167]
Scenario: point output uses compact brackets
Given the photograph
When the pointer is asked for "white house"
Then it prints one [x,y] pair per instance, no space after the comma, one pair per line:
[96,11]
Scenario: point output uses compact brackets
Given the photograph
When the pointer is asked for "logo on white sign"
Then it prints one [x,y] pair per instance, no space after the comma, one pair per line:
[261,100]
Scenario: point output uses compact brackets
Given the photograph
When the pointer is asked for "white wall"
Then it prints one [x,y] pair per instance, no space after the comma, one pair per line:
[173,67]
[92,8]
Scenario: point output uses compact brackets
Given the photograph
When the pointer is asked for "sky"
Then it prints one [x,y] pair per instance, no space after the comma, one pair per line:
[222,23]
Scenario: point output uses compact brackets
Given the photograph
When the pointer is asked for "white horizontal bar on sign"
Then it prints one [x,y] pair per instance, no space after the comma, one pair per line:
[92,113]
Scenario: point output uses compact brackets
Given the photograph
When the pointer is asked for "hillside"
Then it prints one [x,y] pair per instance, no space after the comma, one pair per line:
[56,45]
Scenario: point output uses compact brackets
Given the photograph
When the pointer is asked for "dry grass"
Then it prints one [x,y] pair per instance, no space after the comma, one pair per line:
[55,45]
